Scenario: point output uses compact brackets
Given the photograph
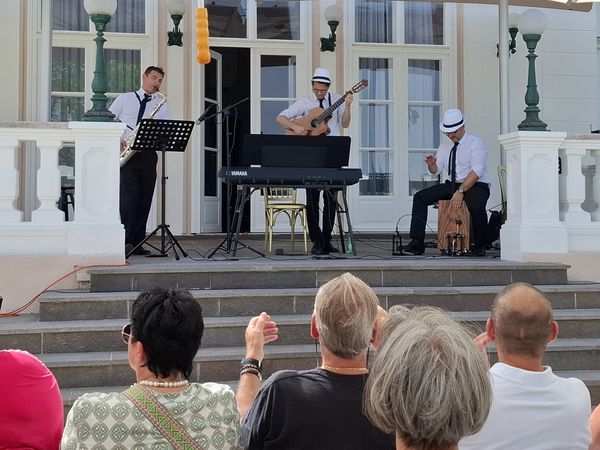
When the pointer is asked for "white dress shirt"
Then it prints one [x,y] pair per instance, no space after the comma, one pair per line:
[304,105]
[126,107]
[471,155]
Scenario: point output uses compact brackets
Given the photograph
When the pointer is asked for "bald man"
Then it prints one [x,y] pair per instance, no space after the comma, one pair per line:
[532,408]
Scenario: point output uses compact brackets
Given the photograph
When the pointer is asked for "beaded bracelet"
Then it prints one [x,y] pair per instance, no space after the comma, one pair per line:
[251,369]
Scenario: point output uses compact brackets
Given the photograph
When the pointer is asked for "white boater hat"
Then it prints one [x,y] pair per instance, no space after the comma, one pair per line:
[321,75]
[453,120]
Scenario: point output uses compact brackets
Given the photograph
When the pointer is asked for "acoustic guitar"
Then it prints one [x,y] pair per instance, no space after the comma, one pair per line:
[316,119]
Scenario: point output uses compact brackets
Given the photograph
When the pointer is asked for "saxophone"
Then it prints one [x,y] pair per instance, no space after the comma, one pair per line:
[126,151]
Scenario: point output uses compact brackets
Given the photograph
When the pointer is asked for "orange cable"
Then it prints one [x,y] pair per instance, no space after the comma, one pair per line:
[20,309]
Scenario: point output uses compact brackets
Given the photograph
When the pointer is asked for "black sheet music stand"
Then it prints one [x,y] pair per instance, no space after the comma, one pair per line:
[163,136]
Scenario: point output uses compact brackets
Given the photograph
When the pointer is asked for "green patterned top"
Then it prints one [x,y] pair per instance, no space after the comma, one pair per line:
[110,421]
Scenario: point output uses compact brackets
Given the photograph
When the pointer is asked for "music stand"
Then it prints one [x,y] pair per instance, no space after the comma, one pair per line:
[226,243]
[164,136]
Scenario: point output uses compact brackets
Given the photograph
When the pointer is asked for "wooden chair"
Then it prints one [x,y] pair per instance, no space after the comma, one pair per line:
[283,200]
[454,228]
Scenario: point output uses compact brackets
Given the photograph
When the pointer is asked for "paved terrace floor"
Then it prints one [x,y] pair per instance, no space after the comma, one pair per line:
[369,247]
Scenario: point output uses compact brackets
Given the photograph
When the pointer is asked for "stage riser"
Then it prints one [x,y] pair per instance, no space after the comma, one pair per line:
[127,279]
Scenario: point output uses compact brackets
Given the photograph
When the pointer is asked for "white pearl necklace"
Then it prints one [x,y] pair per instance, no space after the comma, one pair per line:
[167,384]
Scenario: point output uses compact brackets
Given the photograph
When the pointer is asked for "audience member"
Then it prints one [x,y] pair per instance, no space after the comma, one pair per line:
[594,423]
[31,411]
[162,410]
[532,408]
[429,383]
[318,408]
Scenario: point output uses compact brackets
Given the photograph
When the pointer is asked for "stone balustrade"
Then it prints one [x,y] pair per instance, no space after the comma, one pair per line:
[546,193]
[95,228]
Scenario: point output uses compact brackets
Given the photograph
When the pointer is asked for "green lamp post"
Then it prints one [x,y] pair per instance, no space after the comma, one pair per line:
[176,10]
[100,12]
[333,15]
[532,24]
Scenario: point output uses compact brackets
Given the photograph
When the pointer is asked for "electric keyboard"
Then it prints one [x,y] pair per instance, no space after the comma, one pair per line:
[291,176]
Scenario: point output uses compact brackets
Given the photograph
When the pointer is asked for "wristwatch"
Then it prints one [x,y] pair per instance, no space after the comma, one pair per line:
[461,190]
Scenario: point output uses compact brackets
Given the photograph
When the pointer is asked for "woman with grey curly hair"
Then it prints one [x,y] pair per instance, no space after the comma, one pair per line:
[429,383]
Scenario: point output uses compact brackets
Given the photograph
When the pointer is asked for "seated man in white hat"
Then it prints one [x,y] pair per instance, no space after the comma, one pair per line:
[461,160]
[340,118]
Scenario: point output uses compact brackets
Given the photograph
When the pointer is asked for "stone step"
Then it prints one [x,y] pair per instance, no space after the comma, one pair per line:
[311,273]
[81,305]
[37,337]
[104,335]
[80,370]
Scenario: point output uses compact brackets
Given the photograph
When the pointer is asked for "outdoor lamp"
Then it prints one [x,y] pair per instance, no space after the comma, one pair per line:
[176,10]
[532,24]
[100,12]
[333,15]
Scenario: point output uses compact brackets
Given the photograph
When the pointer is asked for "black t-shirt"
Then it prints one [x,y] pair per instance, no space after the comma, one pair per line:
[312,409]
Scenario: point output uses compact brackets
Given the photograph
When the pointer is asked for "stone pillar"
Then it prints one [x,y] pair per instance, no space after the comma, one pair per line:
[8,182]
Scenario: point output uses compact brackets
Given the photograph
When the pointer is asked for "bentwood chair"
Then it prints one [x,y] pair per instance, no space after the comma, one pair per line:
[283,200]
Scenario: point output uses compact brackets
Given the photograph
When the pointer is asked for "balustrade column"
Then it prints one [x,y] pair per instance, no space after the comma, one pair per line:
[572,182]
[596,186]
[9,188]
[48,183]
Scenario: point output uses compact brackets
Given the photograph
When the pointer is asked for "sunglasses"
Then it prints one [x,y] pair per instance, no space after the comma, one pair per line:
[126,333]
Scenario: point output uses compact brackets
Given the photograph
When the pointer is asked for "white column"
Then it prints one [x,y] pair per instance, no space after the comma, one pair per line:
[572,182]
[532,224]
[48,183]
[596,186]
[8,182]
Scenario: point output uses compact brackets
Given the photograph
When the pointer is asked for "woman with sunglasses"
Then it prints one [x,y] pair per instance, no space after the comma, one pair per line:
[162,409]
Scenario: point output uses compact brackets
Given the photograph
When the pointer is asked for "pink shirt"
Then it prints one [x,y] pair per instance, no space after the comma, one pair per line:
[31,409]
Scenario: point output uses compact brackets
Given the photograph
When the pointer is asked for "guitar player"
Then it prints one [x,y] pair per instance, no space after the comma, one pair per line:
[290,120]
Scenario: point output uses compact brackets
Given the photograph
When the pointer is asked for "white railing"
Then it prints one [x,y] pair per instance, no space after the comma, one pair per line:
[95,228]
[551,212]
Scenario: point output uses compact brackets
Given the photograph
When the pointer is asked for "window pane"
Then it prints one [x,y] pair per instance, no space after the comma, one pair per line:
[269,110]
[423,80]
[68,69]
[374,21]
[123,70]
[374,120]
[69,15]
[423,131]
[226,18]
[278,76]
[423,23]
[378,73]
[210,79]
[278,20]
[420,177]
[65,109]
[130,17]
[210,173]
[376,165]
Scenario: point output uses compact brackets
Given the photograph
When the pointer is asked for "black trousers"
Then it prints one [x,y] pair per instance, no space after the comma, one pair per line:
[318,236]
[138,178]
[475,198]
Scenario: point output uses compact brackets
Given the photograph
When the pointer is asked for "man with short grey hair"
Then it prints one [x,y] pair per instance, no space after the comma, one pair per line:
[532,408]
[319,408]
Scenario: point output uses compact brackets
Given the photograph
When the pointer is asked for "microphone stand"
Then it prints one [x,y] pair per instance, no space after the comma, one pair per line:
[226,244]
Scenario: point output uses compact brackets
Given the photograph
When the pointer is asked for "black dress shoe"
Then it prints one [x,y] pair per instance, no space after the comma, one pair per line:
[328,248]
[415,246]
[141,251]
[317,249]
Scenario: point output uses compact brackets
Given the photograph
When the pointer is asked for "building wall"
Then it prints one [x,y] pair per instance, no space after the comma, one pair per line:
[12,55]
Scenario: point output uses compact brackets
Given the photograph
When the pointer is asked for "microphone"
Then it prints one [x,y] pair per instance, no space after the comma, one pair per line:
[204,114]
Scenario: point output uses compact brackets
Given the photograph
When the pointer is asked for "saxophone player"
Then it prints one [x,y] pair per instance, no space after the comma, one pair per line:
[138,175]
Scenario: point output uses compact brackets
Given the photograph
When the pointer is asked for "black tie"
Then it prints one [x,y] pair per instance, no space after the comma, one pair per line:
[321,103]
[143,103]
[452,166]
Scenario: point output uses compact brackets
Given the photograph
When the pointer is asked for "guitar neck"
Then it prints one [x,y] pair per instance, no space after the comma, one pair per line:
[325,114]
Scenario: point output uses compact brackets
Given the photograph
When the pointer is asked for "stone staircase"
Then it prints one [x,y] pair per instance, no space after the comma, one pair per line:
[77,333]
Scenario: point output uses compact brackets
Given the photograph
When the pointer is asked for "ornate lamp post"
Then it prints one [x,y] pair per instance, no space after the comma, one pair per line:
[532,24]
[100,12]
[176,10]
